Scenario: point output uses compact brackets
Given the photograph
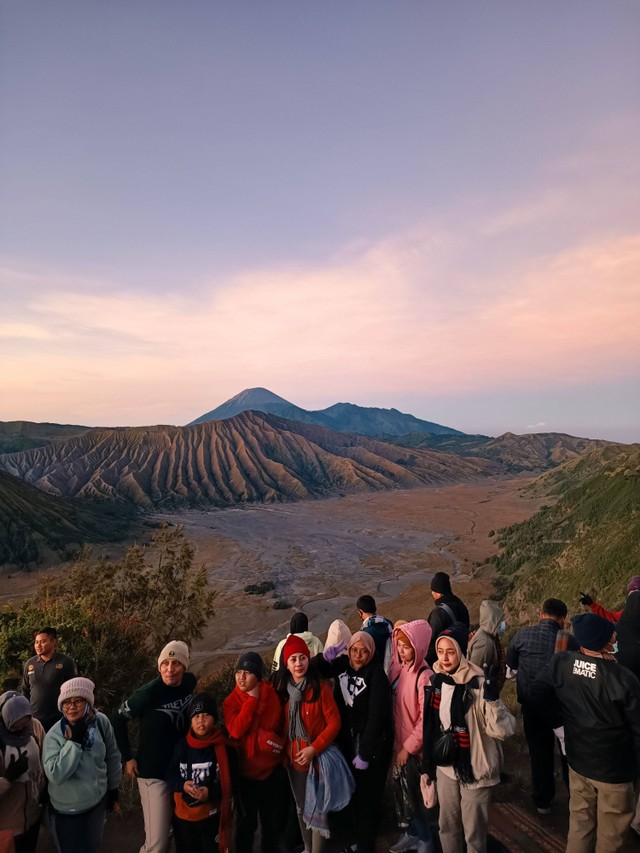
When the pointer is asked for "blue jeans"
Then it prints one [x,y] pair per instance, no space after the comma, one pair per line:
[79,833]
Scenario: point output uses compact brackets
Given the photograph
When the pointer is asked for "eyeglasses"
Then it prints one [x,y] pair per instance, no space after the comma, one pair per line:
[73,703]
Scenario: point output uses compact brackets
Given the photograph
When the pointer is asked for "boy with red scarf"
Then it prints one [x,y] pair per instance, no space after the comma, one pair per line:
[200,775]
[254,717]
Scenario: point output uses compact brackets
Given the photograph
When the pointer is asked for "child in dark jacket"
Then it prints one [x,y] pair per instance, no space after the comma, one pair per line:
[200,776]
[254,717]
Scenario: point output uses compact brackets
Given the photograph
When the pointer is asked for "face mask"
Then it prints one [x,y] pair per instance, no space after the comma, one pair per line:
[614,650]
[502,627]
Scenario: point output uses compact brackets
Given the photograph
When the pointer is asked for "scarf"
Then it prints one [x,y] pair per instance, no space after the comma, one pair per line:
[433,726]
[297,730]
[219,743]
[330,786]
[13,707]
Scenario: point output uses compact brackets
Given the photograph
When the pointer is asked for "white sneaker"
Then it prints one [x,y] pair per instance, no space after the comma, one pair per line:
[405,842]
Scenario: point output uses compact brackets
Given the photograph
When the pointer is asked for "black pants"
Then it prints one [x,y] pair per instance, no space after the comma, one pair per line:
[367,799]
[542,744]
[268,801]
[196,836]
[28,841]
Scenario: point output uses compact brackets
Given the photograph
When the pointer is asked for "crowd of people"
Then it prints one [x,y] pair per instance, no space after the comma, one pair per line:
[305,751]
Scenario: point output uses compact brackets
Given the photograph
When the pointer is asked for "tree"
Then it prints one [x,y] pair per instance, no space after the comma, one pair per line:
[114,617]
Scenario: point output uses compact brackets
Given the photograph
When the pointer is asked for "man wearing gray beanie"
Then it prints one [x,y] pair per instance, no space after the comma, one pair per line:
[161,707]
[599,703]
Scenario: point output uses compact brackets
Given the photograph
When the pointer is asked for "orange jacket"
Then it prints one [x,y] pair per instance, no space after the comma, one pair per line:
[321,720]
[243,716]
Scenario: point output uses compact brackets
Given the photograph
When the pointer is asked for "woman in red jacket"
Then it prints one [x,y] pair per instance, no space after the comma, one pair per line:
[313,723]
[254,717]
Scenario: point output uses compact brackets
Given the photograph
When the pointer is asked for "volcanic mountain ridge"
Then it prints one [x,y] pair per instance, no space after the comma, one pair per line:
[250,457]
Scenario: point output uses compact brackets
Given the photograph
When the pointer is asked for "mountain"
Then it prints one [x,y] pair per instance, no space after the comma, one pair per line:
[257,400]
[22,435]
[342,417]
[249,457]
[33,524]
[531,453]
[586,538]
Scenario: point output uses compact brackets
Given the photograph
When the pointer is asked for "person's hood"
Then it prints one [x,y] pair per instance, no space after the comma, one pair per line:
[304,635]
[418,633]
[491,615]
[465,671]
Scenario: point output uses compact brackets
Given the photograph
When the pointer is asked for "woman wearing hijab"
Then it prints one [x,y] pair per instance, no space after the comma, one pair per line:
[363,696]
[82,763]
[312,722]
[463,720]
[22,779]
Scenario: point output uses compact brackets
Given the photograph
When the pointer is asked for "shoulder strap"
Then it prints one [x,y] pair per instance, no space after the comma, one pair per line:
[449,611]
[418,674]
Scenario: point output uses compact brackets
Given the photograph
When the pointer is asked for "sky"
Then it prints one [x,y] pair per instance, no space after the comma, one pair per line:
[425,205]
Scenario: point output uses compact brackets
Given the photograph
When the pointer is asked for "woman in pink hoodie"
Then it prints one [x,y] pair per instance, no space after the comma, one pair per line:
[409,674]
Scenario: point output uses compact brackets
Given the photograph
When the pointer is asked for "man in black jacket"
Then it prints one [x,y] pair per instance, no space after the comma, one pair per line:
[600,707]
[448,610]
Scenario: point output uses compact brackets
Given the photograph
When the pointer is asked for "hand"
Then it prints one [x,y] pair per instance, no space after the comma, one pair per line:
[559,733]
[305,756]
[360,763]
[491,687]
[585,599]
[79,731]
[131,768]
[112,801]
[401,758]
[332,652]
[199,793]
[17,766]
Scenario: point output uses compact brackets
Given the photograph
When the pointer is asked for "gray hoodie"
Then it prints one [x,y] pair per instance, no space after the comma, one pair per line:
[482,646]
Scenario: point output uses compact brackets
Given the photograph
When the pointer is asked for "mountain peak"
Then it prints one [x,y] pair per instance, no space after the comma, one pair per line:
[256,399]
[254,396]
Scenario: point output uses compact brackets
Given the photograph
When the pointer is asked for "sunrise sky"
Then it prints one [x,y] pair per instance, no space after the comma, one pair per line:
[427,205]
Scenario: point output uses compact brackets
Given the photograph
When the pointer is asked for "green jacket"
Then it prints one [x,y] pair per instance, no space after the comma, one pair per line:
[80,778]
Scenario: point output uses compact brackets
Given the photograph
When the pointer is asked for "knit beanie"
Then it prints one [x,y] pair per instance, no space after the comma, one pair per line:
[203,704]
[82,687]
[299,623]
[175,650]
[634,584]
[591,631]
[294,645]
[251,662]
[457,632]
[440,583]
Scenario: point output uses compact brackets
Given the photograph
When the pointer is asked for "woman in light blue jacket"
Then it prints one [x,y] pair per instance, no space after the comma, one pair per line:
[82,763]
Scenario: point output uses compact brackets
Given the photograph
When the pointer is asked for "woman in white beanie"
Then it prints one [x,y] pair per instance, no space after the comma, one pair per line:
[82,763]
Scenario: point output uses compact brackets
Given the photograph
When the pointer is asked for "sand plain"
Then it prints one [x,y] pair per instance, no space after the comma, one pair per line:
[322,554]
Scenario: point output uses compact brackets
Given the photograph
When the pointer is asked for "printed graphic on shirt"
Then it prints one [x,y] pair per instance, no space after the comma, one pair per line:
[176,710]
[200,773]
[350,687]
[584,668]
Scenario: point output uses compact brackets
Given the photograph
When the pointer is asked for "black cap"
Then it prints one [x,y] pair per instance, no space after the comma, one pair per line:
[440,583]
[251,662]
[203,703]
